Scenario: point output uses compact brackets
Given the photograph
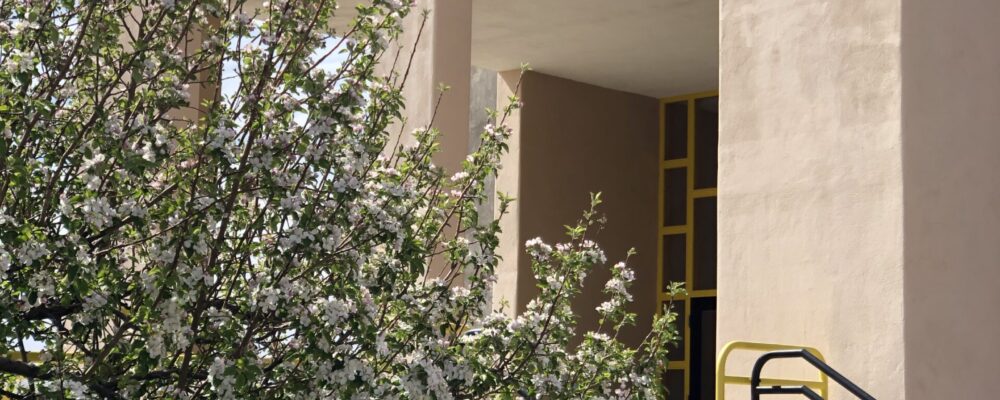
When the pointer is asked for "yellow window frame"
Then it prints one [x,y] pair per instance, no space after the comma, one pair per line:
[687,229]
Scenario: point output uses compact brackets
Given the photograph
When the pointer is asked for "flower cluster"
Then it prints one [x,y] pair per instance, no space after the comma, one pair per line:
[274,240]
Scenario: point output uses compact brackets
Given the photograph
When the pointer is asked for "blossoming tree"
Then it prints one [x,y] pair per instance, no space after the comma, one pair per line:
[273,242]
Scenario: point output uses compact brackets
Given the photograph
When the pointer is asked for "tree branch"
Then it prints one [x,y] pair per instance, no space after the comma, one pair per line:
[51,312]
[22,369]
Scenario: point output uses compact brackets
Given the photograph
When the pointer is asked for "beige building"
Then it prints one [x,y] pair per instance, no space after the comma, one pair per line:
[819,173]
[822,174]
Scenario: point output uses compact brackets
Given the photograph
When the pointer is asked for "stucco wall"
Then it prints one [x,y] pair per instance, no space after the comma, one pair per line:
[810,183]
[573,139]
[443,56]
[508,181]
[951,173]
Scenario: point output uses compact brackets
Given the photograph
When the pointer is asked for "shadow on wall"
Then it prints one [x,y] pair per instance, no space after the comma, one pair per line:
[577,139]
[951,139]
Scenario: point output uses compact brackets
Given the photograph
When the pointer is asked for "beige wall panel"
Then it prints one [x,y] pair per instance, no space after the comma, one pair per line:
[573,139]
[452,66]
[443,56]
[810,183]
[951,171]
[508,181]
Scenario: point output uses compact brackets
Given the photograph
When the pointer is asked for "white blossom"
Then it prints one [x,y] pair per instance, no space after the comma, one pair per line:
[222,383]
[5,262]
[280,239]
[77,390]
[98,212]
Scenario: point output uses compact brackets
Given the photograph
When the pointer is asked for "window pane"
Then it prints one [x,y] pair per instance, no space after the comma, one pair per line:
[673,259]
[675,196]
[705,235]
[706,142]
[674,381]
[675,135]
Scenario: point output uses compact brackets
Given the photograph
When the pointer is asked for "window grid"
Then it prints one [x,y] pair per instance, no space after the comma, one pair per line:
[688,163]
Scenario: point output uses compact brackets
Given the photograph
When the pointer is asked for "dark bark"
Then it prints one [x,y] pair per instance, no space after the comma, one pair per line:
[24,369]
[51,312]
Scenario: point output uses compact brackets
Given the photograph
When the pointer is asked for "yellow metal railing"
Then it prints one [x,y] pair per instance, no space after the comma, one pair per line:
[33,356]
[822,385]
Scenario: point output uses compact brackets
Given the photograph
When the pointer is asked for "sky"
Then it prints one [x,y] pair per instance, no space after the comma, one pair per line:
[330,64]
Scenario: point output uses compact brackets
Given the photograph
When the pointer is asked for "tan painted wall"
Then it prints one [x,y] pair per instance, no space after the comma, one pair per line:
[572,139]
[443,56]
[811,185]
[198,93]
[951,174]
[508,181]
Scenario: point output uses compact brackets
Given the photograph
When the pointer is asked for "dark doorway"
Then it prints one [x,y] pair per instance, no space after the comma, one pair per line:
[702,349]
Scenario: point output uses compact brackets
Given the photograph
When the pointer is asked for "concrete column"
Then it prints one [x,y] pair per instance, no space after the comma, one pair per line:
[483,96]
[202,92]
[811,239]
[508,181]
[859,204]
[443,57]
[198,93]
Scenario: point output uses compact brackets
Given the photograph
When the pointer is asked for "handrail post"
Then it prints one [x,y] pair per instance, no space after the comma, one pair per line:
[722,379]
[758,366]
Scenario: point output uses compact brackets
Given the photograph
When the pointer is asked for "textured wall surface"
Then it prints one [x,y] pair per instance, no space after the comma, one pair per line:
[443,56]
[810,183]
[482,95]
[573,139]
[951,175]
[508,181]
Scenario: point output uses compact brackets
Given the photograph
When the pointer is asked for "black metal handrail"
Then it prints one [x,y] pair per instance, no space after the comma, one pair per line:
[756,390]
